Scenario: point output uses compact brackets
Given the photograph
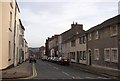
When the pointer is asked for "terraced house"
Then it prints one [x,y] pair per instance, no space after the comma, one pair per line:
[103,44]
[7,14]
[53,46]
[81,49]
[70,41]
[21,42]
[11,33]
[78,48]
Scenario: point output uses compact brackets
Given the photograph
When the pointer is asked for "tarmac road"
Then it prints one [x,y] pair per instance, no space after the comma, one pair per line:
[48,70]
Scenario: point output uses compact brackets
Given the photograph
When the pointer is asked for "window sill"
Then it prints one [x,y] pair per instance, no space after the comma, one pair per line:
[114,61]
[96,59]
[90,40]
[107,60]
[113,35]
[72,46]
[96,38]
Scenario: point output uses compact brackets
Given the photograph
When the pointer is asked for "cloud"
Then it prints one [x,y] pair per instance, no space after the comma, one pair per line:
[44,19]
[67,0]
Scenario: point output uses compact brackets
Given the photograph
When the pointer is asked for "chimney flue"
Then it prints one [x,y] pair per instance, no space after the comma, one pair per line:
[76,22]
[73,22]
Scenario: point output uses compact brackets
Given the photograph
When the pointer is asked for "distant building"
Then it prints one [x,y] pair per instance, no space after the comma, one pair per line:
[59,46]
[34,50]
[26,51]
[52,46]
[21,42]
[47,52]
[41,52]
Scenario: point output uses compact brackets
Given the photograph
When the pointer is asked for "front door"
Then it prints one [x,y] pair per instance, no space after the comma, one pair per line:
[90,56]
[77,57]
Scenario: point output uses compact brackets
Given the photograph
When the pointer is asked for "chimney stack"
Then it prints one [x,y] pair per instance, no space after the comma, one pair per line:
[76,23]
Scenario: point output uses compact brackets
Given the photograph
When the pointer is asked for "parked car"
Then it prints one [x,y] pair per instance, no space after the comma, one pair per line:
[32,59]
[63,61]
[44,58]
[48,59]
[51,59]
[55,59]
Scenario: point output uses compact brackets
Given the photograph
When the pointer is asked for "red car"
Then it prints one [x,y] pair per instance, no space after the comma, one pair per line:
[63,61]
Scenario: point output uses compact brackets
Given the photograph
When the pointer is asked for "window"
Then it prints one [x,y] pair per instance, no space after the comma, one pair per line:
[96,54]
[89,37]
[97,35]
[81,56]
[11,3]
[113,29]
[84,55]
[73,43]
[72,55]
[10,19]
[107,54]
[82,40]
[114,54]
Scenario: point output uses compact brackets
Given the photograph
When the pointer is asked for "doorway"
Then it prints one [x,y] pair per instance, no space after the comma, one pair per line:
[77,56]
[90,56]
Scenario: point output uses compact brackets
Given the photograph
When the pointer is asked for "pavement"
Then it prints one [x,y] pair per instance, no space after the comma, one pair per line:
[110,73]
[21,71]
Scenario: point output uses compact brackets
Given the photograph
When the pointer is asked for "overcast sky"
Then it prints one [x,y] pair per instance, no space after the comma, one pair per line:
[44,18]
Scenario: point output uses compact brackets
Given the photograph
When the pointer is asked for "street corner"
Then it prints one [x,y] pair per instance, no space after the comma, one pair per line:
[22,71]
[29,68]
[32,72]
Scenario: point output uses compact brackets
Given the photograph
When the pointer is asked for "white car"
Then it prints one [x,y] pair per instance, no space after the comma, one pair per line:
[55,59]
[44,58]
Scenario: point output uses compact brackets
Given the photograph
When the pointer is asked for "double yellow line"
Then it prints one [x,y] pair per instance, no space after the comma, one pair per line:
[34,73]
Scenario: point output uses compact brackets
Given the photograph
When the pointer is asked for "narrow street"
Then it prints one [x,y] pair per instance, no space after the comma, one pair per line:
[48,70]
